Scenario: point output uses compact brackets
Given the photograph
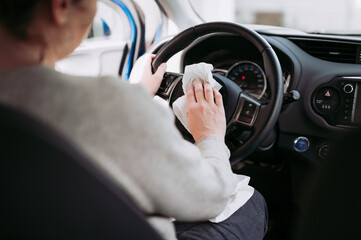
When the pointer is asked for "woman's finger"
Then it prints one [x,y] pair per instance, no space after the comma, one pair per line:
[198,90]
[218,98]
[190,95]
[161,70]
[208,92]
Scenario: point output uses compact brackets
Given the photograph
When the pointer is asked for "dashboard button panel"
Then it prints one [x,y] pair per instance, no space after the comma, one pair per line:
[327,100]
[336,101]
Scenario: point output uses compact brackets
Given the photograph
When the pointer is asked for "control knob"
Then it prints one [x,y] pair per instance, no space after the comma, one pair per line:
[348,88]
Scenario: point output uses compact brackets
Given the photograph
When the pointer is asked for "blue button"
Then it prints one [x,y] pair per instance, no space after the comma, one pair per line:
[301,144]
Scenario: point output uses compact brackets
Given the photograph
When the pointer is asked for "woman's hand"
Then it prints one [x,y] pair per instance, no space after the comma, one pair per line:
[142,73]
[205,113]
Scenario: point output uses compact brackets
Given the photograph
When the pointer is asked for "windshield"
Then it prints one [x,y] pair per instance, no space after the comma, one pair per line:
[316,16]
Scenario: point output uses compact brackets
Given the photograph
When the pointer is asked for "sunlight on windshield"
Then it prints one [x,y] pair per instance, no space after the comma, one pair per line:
[323,16]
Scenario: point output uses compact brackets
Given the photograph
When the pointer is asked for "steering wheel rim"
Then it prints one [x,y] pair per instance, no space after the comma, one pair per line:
[267,114]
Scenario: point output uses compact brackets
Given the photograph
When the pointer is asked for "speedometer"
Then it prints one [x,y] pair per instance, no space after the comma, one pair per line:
[250,77]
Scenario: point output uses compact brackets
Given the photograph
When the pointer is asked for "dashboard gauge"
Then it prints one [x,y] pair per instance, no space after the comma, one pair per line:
[250,77]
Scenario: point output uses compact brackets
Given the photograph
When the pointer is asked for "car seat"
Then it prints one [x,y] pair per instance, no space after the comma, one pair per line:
[49,189]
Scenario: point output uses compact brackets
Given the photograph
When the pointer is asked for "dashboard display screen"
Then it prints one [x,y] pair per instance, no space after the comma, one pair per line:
[357,113]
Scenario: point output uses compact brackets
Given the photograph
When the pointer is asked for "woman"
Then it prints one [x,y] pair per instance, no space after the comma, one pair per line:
[125,134]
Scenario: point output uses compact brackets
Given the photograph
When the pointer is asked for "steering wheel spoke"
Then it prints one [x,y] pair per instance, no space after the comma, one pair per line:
[169,82]
[246,111]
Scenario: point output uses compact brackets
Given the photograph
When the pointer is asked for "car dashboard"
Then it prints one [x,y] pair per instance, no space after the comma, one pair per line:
[323,70]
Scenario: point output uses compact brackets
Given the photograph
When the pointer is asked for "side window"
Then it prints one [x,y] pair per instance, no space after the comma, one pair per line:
[110,22]
[153,20]
[100,28]
[121,32]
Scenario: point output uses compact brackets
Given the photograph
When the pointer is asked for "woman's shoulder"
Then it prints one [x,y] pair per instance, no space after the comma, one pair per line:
[42,85]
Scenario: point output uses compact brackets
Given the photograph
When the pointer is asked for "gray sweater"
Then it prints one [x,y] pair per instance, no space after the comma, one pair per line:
[131,138]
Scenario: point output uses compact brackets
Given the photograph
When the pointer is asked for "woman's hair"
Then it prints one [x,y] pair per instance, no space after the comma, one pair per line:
[15,16]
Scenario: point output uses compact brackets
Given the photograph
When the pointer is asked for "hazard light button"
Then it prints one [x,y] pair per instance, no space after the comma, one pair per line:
[328,93]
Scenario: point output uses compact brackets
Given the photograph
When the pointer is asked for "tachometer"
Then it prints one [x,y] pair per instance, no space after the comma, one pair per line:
[250,77]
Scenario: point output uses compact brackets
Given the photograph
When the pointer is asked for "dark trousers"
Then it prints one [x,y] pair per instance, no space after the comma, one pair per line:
[249,223]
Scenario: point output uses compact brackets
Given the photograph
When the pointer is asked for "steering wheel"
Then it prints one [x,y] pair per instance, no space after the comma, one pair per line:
[249,121]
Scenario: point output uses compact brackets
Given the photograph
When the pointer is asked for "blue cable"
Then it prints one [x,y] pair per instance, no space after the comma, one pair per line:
[133,32]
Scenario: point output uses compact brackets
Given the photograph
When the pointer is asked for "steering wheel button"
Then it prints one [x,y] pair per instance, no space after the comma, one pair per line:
[245,119]
[168,79]
[163,87]
[247,113]
[248,108]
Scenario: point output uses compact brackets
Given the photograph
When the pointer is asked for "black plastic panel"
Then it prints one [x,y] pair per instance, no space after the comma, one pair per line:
[336,101]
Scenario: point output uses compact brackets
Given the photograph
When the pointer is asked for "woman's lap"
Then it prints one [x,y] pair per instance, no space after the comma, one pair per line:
[249,222]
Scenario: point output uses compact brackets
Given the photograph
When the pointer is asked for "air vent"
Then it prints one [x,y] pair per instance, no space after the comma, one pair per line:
[330,51]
